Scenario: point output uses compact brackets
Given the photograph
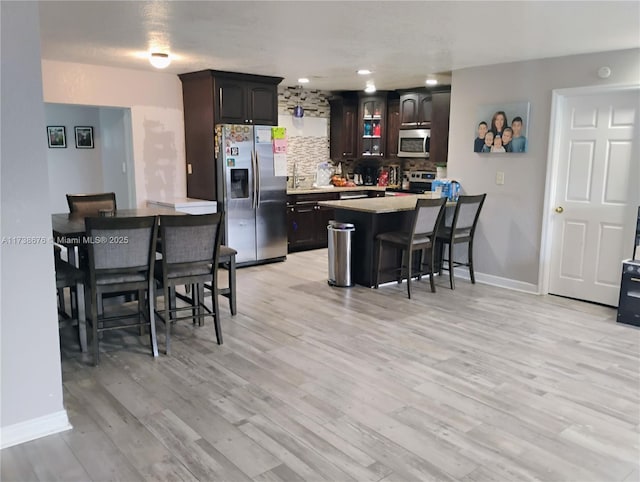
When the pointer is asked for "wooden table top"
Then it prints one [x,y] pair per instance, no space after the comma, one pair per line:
[66,225]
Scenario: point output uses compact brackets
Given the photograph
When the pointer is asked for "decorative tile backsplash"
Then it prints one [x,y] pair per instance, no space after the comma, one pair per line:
[314,102]
[308,138]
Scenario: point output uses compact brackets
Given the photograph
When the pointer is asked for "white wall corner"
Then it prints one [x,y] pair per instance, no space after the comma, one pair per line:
[35,428]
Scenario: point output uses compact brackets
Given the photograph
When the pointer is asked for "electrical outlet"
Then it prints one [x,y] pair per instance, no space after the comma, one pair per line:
[499,177]
[189,169]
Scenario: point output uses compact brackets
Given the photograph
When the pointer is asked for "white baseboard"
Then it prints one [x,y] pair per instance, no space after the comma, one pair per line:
[35,428]
[489,279]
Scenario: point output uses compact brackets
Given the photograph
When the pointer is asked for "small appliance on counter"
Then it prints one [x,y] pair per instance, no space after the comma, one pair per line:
[414,182]
[421,181]
[370,175]
[324,172]
[383,177]
[395,177]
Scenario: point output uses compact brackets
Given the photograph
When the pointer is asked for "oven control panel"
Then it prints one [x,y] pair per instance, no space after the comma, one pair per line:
[421,176]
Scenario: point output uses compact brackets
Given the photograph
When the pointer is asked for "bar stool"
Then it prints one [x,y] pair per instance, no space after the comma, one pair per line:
[426,220]
[461,229]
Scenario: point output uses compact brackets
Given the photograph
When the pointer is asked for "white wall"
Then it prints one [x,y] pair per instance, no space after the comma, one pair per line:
[157,122]
[507,247]
[31,379]
[116,151]
[73,170]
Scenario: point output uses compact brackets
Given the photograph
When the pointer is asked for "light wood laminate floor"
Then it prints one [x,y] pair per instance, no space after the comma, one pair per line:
[321,383]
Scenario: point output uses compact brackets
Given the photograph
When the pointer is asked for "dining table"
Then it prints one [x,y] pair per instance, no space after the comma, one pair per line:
[69,229]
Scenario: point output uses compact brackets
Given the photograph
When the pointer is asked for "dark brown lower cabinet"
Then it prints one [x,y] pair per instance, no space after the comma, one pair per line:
[308,226]
[307,222]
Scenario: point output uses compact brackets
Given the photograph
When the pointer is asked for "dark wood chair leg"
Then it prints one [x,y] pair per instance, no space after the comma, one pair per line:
[451,283]
[94,327]
[232,285]
[470,256]
[216,318]
[153,338]
[141,307]
[201,310]
[409,263]
[82,317]
[431,270]
[167,319]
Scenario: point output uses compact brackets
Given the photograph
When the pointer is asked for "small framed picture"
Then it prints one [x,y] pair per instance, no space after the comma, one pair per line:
[56,136]
[84,137]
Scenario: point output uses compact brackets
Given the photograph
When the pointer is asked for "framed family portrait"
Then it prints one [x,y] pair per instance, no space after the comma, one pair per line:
[84,137]
[56,136]
[502,128]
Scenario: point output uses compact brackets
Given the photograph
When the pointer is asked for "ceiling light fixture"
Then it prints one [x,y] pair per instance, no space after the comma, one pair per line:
[431,82]
[364,72]
[159,60]
[303,80]
[370,88]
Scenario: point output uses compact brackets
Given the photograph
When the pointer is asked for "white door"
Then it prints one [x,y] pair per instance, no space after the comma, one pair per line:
[597,195]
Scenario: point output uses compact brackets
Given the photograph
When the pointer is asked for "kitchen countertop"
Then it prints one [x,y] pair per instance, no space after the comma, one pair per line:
[187,205]
[334,189]
[379,205]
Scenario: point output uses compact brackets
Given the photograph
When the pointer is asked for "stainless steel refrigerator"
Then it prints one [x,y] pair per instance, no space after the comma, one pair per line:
[254,198]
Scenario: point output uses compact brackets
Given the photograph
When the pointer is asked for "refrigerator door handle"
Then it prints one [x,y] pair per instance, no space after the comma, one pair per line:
[254,203]
[259,184]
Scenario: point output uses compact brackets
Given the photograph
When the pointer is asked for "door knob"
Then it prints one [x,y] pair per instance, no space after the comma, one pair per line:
[559,209]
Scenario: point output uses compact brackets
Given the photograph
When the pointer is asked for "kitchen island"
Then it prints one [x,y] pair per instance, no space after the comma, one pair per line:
[307,221]
[372,216]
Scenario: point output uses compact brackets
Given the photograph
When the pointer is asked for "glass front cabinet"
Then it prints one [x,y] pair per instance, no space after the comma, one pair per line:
[372,129]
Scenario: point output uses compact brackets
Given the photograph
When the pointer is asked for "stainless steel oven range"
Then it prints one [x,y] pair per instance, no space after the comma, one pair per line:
[420,181]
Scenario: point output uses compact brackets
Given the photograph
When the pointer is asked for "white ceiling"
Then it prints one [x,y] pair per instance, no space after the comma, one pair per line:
[401,41]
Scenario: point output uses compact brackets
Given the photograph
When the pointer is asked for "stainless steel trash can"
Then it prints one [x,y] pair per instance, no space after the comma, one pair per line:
[339,235]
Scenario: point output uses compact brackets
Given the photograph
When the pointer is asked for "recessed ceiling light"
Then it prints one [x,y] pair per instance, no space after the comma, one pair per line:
[431,82]
[370,88]
[364,72]
[303,80]
[159,60]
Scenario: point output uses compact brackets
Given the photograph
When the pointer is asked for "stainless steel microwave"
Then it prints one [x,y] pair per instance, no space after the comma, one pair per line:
[414,143]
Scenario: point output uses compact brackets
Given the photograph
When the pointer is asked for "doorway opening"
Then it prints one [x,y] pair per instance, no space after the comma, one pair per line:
[104,165]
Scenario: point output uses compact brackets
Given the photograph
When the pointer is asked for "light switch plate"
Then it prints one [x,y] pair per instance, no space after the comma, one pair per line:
[500,177]
[189,169]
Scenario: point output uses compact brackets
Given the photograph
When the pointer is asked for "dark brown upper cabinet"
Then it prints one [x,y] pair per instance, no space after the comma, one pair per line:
[415,109]
[343,128]
[246,102]
[212,97]
[393,127]
[439,146]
